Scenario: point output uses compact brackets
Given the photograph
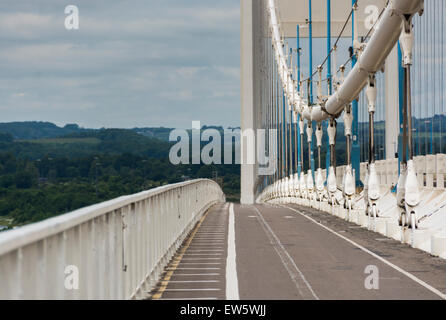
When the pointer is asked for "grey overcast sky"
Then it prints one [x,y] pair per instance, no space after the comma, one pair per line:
[131,63]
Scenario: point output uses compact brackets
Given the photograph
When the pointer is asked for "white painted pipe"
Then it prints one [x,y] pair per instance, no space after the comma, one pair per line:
[386,34]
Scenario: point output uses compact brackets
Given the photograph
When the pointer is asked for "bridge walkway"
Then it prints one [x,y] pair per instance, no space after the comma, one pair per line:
[294,252]
[197,270]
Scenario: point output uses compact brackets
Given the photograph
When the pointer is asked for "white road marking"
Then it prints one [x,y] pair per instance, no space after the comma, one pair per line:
[205,227]
[193,268]
[407,274]
[285,257]
[200,263]
[212,236]
[204,247]
[207,298]
[232,292]
[186,259]
[194,289]
[208,226]
[193,281]
[219,243]
[202,254]
[195,274]
[210,232]
[204,250]
[221,227]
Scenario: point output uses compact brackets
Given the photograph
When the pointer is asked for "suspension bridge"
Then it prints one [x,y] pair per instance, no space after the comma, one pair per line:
[348,201]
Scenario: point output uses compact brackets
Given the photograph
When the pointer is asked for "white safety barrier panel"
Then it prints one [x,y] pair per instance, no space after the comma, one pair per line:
[420,166]
[392,171]
[381,170]
[362,170]
[441,170]
[339,175]
[324,172]
[430,170]
[111,250]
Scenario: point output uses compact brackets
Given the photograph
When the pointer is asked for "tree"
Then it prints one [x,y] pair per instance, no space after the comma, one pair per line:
[23,180]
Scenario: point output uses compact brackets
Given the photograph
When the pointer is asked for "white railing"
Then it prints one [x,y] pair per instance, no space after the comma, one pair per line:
[431,171]
[112,250]
[430,235]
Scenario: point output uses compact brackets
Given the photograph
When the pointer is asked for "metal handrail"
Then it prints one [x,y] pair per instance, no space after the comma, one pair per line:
[119,246]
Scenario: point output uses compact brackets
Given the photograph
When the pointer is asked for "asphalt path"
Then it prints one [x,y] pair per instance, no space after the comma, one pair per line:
[295,252]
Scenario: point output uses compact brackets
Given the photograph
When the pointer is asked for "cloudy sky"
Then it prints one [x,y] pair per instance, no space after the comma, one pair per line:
[131,63]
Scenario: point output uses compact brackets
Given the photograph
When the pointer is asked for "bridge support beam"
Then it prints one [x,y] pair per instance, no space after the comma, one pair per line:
[392,103]
[247,60]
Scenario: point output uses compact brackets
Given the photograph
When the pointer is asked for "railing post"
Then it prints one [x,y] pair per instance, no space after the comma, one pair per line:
[327,158]
[310,38]
[355,143]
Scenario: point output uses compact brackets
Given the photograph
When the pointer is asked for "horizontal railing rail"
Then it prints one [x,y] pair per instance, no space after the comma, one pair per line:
[111,250]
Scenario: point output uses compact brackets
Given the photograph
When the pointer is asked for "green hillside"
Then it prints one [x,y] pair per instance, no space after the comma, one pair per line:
[47,176]
[37,129]
[104,141]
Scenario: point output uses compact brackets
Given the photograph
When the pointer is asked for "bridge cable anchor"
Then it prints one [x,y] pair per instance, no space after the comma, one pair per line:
[348,182]
[373,192]
[411,188]
[310,182]
[302,183]
[331,179]
[319,176]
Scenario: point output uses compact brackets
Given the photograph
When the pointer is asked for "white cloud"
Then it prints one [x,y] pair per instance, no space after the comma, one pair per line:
[18,95]
[26,25]
[149,63]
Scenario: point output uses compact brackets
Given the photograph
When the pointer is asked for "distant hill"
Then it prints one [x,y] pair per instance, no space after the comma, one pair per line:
[46,170]
[34,139]
[163,133]
[86,143]
[38,129]
[121,141]
[30,130]
[158,133]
